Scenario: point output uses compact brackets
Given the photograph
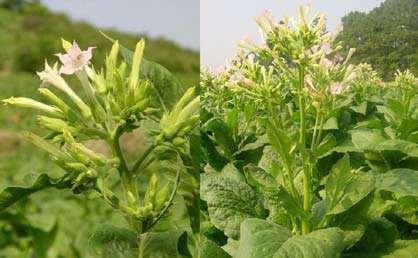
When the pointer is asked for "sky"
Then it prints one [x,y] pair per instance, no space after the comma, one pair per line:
[223,23]
[177,20]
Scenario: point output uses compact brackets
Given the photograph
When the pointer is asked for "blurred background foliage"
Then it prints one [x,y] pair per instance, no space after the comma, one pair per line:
[386,37]
[56,223]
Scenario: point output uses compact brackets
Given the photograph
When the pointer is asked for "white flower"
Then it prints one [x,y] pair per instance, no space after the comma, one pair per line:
[75,59]
[51,76]
[336,88]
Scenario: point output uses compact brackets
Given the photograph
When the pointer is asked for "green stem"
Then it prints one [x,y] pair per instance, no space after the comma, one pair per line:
[141,160]
[306,172]
[315,130]
[321,128]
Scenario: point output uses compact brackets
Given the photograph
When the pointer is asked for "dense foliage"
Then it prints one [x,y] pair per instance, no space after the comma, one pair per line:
[386,37]
[305,155]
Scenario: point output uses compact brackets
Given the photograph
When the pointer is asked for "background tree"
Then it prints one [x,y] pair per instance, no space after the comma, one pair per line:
[385,37]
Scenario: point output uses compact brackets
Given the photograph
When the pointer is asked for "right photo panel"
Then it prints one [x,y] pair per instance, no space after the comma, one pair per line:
[309,129]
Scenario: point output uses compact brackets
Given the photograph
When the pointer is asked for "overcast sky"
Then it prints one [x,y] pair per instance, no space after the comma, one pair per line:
[177,20]
[223,23]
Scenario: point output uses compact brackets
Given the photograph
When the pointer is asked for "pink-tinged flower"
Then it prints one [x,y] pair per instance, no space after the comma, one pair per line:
[336,88]
[326,48]
[75,59]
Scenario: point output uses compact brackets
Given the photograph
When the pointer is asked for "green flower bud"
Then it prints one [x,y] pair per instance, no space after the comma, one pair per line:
[43,144]
[178,141]
[55,124]
[33,104]
[136,63]
[81,152]
[151,189]
[162,197]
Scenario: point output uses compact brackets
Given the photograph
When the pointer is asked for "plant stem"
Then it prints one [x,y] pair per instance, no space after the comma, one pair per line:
[141,160]
[306,172]
[315,130]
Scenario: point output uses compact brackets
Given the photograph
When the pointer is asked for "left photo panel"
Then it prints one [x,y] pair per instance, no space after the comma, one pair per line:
[99,139]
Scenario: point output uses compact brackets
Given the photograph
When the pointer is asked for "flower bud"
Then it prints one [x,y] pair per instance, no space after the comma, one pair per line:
[55,124]
[81,152]
[33,104]
[43,144]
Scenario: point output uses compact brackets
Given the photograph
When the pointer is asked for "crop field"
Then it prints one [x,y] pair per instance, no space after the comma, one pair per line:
[306,155]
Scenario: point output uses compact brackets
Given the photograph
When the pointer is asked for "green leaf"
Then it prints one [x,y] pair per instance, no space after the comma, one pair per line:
[399,249]
[222,135]
[409,148]
[261,239]
[12,194]
[367,139]
[361,108]
[230,171]
[331,124]
[401,181]
[280,198]
[113,242]
[345,188]
[210,250]
[323,243]
[326,145]
[380,232]
[167,244]
[407,208]
[230,202]
[257,177]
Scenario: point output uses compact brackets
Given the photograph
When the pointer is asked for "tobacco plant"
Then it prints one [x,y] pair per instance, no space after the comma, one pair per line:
[123,96]
[305,155]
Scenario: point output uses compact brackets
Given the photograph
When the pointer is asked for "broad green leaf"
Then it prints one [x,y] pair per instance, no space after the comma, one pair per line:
[361,108]
[401,181]
[12,194]
[367,139]
[222,135]
[407,208]
[230,202]
[260,238]
[113,242]
[167,244]
[257,177]
[409,148]
[209,249]
[399,249]
[331,124]
[354,221]
[230,171]
[326,145]
[280,198]
[379,233]
[280,141]
[345,188]
[323,243]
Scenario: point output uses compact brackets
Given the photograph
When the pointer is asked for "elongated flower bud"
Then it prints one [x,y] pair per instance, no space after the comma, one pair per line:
[51,76]
[136,63]
[54,99]
[43,144]
[83,153]
[55,124]
[33,104]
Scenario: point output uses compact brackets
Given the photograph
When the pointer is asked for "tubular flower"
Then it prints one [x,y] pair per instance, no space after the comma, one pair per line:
[75,59]
[51,76]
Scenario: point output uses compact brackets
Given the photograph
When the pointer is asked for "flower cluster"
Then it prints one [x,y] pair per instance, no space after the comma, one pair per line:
[113,100]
